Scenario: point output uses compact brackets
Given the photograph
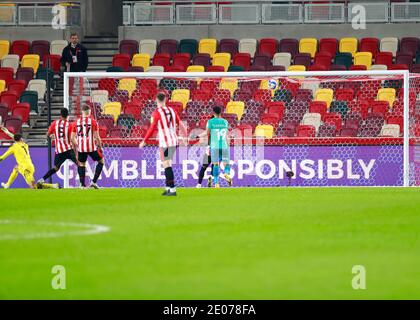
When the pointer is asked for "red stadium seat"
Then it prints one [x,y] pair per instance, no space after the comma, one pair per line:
[333,118]
[215,69]
[6,74]
[108,84]
[369,45]
[130,47]
[40,47]
[323,59]
[201,59]
[52,61]
[303,59]
[21,111]
[380,107]
[26,74]
[200,95]
[384,58]
[398,67]
[169,46]
[404,58]
[106,121]
[229,46]
[4,111]
[9,99]
[14,123]
[409,45]
[175,68]
[327,130]
[181,59]
[262,95]
[121,60]
[276,107]
[344,94]
[162,59]
[328,46]
[243,60]
[358,67]
[17,86]
[396,120]
[306,131]
[268,47]
[134,109]
[318,107]
[221,96]
[20,47]
[262,60]
[271,119]
[348,132]
[289,45]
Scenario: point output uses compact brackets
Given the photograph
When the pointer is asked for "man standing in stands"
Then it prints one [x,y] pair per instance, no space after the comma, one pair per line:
[74,57]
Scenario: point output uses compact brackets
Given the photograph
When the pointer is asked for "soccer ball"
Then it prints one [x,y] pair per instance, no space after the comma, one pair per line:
[272,84]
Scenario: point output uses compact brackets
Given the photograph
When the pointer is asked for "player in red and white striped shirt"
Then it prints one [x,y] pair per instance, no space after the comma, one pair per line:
[85,135]
[166,121]
[60,130]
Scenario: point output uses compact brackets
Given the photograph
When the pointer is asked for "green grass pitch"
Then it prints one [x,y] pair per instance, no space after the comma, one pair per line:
[213,244]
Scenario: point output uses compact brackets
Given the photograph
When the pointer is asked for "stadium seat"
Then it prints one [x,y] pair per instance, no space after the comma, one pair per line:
[4,48]
[26,74]
[398,67]
[188,46]
[268,47]
[133,109]
[181,95]
[417,59]
[147,46]
[47,75]
[127,84]
[398,120]
[141,60]
[208,46]
[323,59]
[348,132]
[4,111]
[126,121]
[20,47]
[327,130]
[221,59]
[230,84]
[30,61]
[17,86]
[353,120]
[308,45]
[409,45]
[262,61]
[175,68]
[265,131]
[262,95]
[328,46]
[52,62]
[334,119]
[169,46]
[30,97]
[415,68]
[177,106]
[404,58]
[135,69]
[384,58]
[10,61]
[229,45]
[363,59]
[344,94]
[289,45]
[282,59]
[369,45]
[40,47]
[113,109]
[201,60]
[271,119]
[21,111]
[390,130]
[297,68]
[248,46]
[114,69]
[303,59]
[181,59]
[243,60]
[326,95]
[389,44]
[162,59]
[6,74]
[344,59]
[348,45]
[379,107]
[386,94]
[318,107]
[57,46]
[340,107]
[130,47]
[155,69]
[233,68]
[338,67]
[378,67]
[122,61]
[13,124]
[358,67]
[196,69]
[2,86]
[312,119]
[306,131]
[99,96]
[276,108]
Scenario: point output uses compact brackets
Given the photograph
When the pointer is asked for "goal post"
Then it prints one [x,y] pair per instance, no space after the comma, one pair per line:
[330,128]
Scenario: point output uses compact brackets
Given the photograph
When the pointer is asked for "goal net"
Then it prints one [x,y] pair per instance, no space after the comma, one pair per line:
[355,128]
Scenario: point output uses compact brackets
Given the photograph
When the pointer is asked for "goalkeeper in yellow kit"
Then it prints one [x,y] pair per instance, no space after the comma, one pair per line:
[24,163]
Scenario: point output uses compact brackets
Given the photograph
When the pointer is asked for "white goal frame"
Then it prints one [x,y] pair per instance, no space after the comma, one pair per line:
[159,75]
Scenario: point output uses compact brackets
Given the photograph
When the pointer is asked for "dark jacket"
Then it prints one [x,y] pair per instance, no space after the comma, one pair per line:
[82,58]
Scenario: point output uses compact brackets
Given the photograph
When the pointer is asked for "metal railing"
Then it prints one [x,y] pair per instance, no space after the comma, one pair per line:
[265,12]
[38,13]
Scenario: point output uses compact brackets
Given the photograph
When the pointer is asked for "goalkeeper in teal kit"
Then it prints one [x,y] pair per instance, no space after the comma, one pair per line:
[217,130]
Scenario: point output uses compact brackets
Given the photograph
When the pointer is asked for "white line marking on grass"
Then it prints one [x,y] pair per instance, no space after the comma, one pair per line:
[87,229]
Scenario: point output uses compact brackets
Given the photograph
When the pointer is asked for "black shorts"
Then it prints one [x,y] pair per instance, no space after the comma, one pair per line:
[167,153]
[60,158]
[95,156]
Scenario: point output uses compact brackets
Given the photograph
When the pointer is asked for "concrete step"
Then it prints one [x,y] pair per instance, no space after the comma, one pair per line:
[101,45]
[97,59]
[102,52]
[100,38]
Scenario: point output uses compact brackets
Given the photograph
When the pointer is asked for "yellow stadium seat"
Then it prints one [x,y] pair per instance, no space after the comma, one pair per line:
[4,48]
[128,85]
[30,61]
[113,109]
[230,84]
[308,45]
[207,46]
[196,69]
[141,60]
[386,94]
[363,59]
[221,59]
[296,67]
[181,95]
[348,45]
[236,107]
[326,95]
[264,130]
[2,85]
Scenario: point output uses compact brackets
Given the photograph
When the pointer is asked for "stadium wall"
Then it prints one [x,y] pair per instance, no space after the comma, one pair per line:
[378,30]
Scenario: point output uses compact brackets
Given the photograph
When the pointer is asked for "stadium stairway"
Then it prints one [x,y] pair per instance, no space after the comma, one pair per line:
[101,49]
